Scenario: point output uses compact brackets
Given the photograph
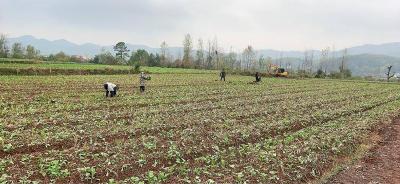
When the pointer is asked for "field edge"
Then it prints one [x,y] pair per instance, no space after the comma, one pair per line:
[369,143]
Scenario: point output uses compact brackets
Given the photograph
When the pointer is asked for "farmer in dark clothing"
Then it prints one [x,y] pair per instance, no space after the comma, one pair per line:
[258,77]
[110,89]
[222,74]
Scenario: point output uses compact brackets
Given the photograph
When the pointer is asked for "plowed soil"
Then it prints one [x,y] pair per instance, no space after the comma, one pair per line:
[380,165]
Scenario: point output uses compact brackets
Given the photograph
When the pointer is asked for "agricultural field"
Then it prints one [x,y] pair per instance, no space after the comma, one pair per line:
[187,128]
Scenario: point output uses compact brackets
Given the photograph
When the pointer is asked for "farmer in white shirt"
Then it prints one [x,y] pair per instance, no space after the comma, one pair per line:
[110,88]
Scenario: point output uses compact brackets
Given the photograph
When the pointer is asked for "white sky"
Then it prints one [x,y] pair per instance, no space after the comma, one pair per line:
[275,24]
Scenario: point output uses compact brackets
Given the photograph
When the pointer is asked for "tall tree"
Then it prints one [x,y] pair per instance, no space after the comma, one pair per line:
[268,63]
[31,52]
[216,54]
[3,46]
[154,60]
[262,63]
[61,56]
[307,65]
[121,51]
[342,66]
[17,50]
[164,53]
[200,54]
[187,51]
[231,59]
[209,55]
[324,62]
[140,57]
[249,57]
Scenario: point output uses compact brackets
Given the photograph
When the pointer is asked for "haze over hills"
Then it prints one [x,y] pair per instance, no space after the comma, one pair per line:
[47,47]
[364,60]
[90,49]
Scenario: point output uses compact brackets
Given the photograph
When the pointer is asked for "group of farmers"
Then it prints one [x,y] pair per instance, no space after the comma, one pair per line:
[111,89]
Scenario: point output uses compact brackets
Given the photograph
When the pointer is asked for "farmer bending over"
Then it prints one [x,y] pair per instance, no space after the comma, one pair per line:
[142,81]
[110,88]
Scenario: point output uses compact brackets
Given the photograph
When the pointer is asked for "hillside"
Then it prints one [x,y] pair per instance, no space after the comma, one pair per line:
[88,49]
[372,65]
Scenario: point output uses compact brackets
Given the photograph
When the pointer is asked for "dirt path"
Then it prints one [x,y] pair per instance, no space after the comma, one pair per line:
[381,165]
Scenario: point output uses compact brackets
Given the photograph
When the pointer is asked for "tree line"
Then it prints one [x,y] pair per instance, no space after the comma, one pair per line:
[199,55]
[17,50]
[211,56]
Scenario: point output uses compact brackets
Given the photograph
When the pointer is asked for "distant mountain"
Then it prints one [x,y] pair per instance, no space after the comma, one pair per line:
[360,65]
[389,49]
[51,47]
[371,64]
[88,49]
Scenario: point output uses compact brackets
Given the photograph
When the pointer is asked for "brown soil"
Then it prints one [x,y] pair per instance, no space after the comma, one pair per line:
[380,165]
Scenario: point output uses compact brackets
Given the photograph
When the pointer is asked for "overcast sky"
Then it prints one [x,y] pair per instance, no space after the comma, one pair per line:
[275,24]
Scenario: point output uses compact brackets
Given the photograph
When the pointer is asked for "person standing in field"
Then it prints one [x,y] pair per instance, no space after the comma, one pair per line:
[258,77]
[142,80]
[110,89]
[222,74]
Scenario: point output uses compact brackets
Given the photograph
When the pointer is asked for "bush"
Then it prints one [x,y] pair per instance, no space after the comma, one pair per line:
[137,67]
[320,74]
[341,75]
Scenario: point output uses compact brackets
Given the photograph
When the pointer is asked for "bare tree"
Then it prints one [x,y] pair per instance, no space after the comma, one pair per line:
[268,63]
[324,61]
[342,67]
[164,53]
[388,74]
[3,46]
[332,66]
[187,51]
[233,58]
[215,53]
[261,63]
[200,54]
[249,57]
[209,55]
[311,61]
[307,65]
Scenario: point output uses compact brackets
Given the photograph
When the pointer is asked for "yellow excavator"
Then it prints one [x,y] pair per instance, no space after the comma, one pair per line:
[278,71]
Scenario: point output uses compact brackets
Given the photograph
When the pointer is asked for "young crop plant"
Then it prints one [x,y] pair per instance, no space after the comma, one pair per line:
[175,154]
[8,147]
[53,168]
[149,142]
[142,160]
[88,173]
